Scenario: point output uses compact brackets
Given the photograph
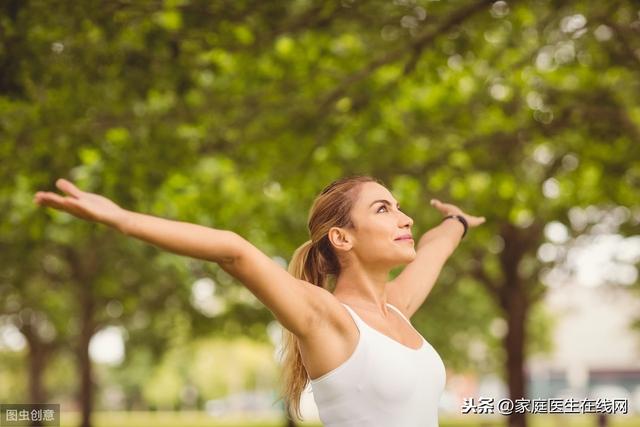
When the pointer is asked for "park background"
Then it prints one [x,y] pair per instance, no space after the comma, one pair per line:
[236,114]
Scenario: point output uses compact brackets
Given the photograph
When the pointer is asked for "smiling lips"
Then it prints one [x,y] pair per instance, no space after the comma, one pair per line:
[405,237]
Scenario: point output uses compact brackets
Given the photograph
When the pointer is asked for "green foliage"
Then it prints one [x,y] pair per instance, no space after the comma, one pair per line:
[215,367]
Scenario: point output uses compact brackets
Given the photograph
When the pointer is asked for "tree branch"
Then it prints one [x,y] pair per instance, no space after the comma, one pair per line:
[477,270]
[417,46]
[454,19]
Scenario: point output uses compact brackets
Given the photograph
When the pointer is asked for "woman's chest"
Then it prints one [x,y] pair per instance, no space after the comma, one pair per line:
[393,372]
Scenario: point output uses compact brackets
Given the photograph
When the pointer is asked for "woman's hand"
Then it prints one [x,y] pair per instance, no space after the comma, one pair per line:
[449,209]
[88,206]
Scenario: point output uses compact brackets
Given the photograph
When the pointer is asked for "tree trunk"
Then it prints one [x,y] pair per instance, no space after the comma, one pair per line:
[85,397]
[514,342]
[37,393]
[84,263]
[37,358]
[515,303]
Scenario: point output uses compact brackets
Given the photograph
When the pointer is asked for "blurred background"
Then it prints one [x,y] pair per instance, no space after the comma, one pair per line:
[235,114]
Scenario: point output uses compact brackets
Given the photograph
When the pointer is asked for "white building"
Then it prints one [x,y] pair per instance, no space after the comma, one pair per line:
[596,353]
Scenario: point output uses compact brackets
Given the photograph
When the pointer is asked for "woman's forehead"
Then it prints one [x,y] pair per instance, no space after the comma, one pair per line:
[372,191]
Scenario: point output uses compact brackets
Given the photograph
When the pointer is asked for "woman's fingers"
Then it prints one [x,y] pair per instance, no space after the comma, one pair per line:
[437,204]
[53,200]
[68,187]
[478,220]
[49,199]
[52,203]
[447,208]
[65,204]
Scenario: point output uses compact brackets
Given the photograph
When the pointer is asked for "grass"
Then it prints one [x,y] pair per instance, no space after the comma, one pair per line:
[168,419]
[201,419]
[542,420]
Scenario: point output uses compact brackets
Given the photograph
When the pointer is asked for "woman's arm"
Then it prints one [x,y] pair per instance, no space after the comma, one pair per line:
[298,305]
[183,238]
[192,240]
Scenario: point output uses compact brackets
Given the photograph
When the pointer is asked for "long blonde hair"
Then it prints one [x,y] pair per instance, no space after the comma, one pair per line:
[316,262]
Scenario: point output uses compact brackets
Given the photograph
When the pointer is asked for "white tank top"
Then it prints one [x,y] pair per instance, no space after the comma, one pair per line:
[383,383]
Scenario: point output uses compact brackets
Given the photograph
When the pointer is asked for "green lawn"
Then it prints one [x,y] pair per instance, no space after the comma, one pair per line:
[200,419]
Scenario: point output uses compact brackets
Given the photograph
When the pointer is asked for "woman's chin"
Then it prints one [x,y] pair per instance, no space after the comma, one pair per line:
[410,256]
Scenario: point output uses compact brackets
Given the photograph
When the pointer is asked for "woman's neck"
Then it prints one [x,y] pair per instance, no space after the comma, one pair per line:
[363,289]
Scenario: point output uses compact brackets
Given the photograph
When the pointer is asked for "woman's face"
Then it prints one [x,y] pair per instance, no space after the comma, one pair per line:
[379,228]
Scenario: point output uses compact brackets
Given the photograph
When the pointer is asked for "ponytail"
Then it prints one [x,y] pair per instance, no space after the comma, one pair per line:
[299,260]
[303,266]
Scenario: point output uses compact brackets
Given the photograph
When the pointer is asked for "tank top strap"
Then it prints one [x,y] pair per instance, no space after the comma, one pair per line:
[400,313]
[361,324]
[359,321]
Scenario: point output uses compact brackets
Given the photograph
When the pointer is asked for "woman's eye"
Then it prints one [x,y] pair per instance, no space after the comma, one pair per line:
[385,208]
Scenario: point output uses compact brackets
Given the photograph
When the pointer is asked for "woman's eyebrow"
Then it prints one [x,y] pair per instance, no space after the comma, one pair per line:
[386,202]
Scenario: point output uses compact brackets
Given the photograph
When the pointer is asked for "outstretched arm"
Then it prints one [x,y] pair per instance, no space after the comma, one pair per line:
[179,237]
[412,286]
[297,304]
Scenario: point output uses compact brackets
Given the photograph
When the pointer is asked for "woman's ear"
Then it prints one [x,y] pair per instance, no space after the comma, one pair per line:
[340,239]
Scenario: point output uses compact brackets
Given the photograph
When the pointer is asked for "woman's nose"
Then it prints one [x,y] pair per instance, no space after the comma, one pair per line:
[406,220]
[410,221]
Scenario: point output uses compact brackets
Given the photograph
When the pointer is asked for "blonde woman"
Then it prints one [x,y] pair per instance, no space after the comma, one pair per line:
[347,329]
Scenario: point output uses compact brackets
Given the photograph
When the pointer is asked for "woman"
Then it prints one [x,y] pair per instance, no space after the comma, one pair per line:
[347,328]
